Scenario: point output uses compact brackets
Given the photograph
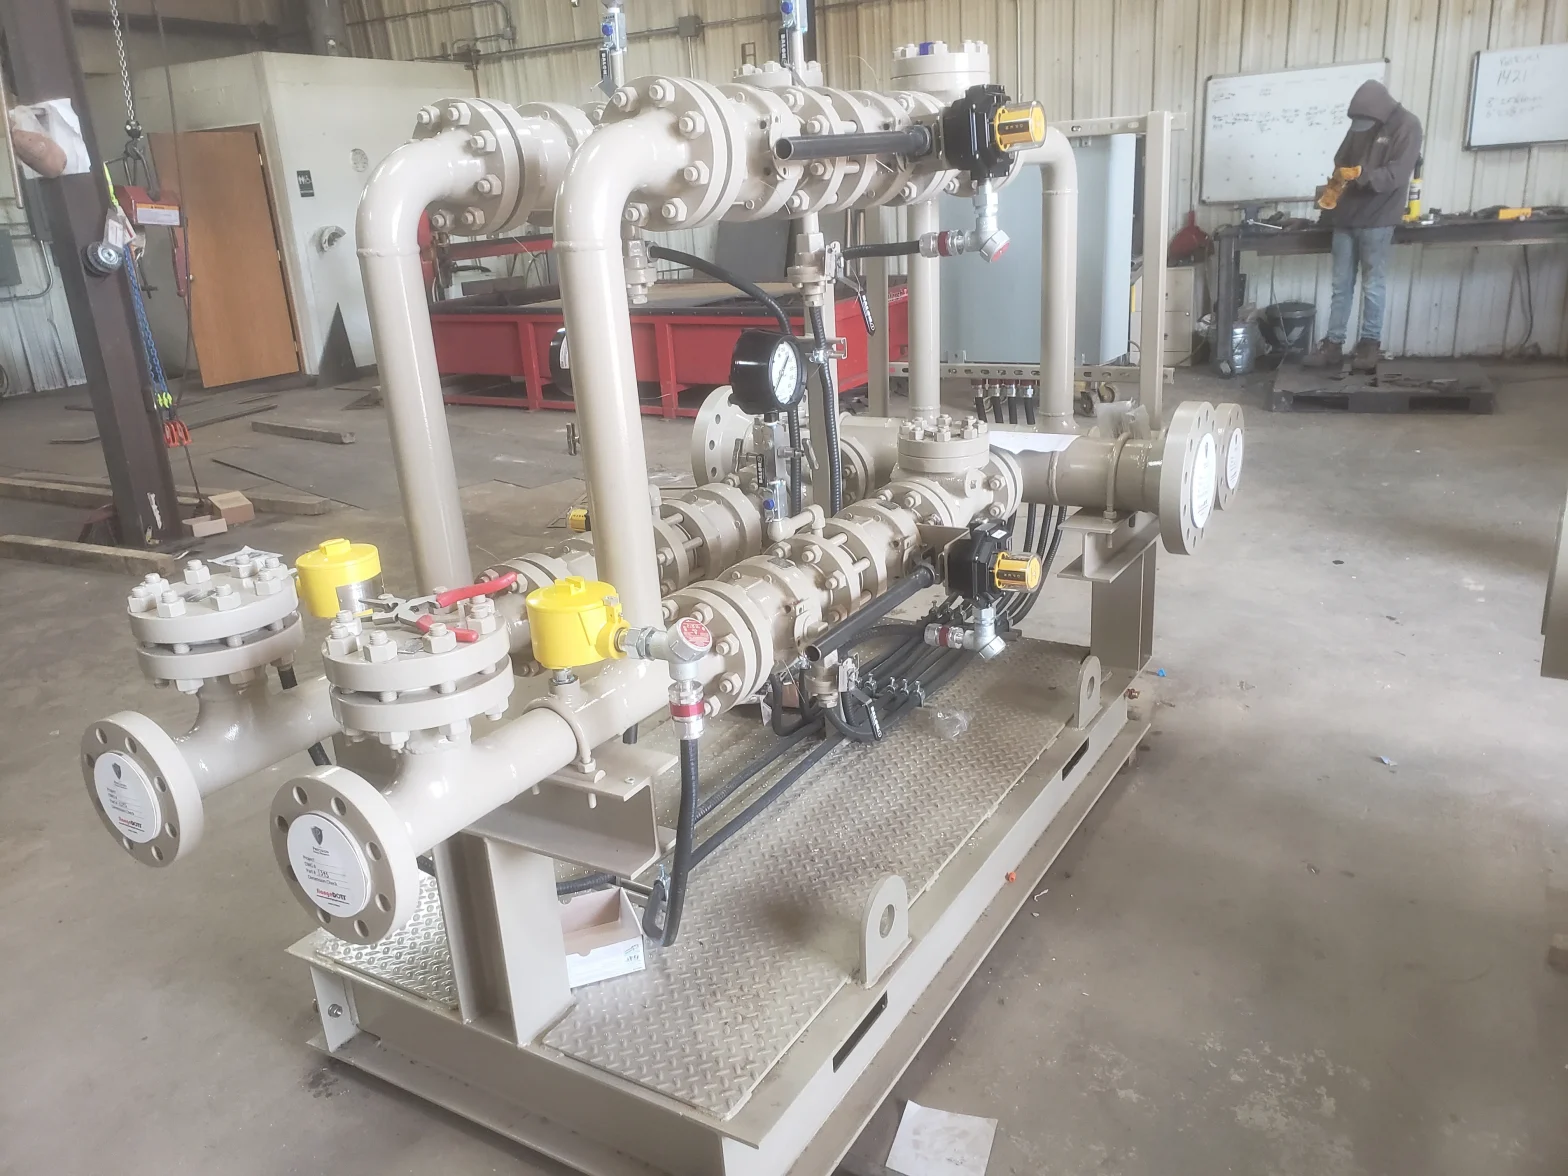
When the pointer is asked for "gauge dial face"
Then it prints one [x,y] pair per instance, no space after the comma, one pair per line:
[784,372]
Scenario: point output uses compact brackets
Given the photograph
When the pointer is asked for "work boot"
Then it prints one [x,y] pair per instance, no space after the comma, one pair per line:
[1363,361]
[1327,354]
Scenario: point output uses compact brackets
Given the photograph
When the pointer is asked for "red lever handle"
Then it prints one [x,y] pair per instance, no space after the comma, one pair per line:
[485,588]
[466,636]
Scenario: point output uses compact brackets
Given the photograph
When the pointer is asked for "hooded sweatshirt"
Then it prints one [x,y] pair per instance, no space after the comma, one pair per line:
[1386,154]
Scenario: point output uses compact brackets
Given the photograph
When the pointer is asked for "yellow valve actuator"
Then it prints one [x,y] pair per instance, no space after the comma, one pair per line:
[1018,127]
[339,575]
[1016,573]
[574,622]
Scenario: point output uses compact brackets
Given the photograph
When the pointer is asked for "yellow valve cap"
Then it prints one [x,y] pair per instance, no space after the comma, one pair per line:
[1018,127]
[574,622]
[339,575]
[577,520]
[1016,573]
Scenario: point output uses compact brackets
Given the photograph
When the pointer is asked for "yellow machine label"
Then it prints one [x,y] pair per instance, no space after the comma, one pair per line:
[577,520]
[1016,573]
[337,575]
[574,622]
[1018,127]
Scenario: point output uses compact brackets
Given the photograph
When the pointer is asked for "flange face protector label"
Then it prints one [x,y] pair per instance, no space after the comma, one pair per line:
[1203,475]
[1233,452]
[127,796]
[328,864]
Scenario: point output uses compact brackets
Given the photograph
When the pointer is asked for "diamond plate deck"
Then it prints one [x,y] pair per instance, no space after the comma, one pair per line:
[416,959]
[768,935]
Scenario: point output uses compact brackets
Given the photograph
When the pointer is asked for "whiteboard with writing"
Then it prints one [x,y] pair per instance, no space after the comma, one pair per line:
[1519,96]
[1272,136]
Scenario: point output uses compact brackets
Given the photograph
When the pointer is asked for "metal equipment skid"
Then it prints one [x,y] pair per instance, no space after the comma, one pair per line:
[755,1044]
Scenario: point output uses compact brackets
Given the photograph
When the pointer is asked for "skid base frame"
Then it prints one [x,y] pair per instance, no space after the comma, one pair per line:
[801,1119]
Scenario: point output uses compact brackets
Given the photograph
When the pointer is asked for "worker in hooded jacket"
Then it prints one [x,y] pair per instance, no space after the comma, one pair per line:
[1371,180]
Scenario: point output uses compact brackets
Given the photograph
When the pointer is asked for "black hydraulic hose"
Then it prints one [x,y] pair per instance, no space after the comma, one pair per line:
[916,140]
[996,409]
[847,631]
[780,786]
[661,918]
[1012,410]
[756,767]
[1029,410]
[980,410]
[841,723]
[629,736]
[881,249]
[730,278]
[795,487]
[288,680]
[829,417]
[775,689]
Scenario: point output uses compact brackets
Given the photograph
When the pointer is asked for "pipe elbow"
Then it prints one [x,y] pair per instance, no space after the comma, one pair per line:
[415,175]
[616,160]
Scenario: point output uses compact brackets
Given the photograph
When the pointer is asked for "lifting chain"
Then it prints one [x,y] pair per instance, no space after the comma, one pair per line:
[133,126]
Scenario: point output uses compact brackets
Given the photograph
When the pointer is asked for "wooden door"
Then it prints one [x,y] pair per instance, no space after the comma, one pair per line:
[241,319]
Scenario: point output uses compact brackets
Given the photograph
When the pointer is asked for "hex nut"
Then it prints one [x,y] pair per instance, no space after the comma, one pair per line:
[691,124]
[171,604]
[439,639]
[673,210]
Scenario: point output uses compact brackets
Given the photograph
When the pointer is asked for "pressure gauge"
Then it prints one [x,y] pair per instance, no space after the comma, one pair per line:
[767,372]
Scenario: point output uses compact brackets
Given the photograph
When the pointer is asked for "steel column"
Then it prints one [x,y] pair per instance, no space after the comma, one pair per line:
[43,60]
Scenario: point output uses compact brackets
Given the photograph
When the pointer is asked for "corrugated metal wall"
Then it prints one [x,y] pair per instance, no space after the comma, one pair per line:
[1088,58]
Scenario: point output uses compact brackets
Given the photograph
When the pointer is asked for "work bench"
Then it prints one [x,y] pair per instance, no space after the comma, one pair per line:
[682,338]
[1231,241]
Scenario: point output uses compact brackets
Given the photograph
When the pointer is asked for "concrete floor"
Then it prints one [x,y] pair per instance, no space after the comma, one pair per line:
[1267,952]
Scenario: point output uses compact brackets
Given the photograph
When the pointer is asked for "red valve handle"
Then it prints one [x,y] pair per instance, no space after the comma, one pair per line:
[485,588]
[466,636]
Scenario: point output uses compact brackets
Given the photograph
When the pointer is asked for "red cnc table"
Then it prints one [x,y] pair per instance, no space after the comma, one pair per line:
[682,338]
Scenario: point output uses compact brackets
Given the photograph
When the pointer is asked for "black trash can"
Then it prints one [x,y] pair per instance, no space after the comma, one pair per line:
[1287,327]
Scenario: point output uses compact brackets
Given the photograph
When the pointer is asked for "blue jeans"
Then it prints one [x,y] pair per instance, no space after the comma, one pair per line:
[1369,247]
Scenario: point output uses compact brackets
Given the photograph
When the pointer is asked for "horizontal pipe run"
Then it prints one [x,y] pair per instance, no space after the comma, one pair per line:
[241,730]
[913,141]
[440,791]
[1078,475]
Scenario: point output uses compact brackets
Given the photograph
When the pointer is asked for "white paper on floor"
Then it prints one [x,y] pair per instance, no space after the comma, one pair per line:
[939,1143]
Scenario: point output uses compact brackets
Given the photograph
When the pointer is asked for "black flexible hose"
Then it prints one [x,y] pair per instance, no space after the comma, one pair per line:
[841,723]
[780,786]
[980,407]
[661,918]
[1029,410]
[288,680]
[729,277]
[890,249]
[775,689]
[996,409]
[829,417]
[795,486]
[629,736]
[847,631]
[1012,410]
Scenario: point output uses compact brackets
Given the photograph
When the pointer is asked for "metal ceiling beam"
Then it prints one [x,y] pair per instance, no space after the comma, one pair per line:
[42,62]
[179,26]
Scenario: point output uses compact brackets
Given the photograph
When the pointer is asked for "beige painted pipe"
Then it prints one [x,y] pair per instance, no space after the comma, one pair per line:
[439,792]
[1079,474]
[1058,278]
[411,178]
[616,160]
[925,318]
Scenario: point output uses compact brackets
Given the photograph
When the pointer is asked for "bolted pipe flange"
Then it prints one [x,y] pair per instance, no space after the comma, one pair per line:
[218,621]
[398,682]
[345,854]
[1189,477]
[141,788]
[507,193]
[1229,446]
